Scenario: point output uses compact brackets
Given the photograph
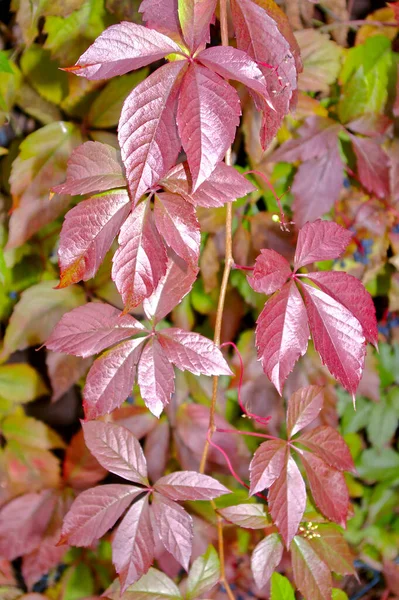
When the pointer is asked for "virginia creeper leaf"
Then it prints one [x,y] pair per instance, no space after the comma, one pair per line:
[163,16]
[372,166]
[270,273]
[204,574]
[140,261]
[95,511]
[249,516]
[176,221]
[155,377]
[287,500]
[207,117]
[154,585]
[321,240]
[267,464]
[147,130]
[337,336]
[265,558]
[117,450]
[195,17]
[303,408]
[311,574]
[92,167]
[282,334]
[189,485]
[64,370]
[81,469]
[331,546]
[193,352]
[174,526]
[122,48]
[327,443]
[280,588]
[111,378]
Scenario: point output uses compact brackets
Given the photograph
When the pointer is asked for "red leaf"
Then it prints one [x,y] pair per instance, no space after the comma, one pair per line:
[133,545]
[156,449]
[248,516]
[337,336]
[23,523]
[80,469]
[267,464]
[195,17]
[328,488]
[190,485]
[117,450]
[303,408]
[140,261]
[111,378]
[89,329]
[321,240]
[265,559]
[87,234]
[350,292]
[122,48]
[316,136]
[155,377]
[172,287]
[311,574]
[193,352]
[174,526]
[235,64]
[224,184]
[282,334]
[95,511]
[331,546]
[372,166]
[64,371]
[270,273]
[287,500]
[327,443]
[207,117]
[177,223]
[147,129]
[317,185]
[92,167]
[162,15]
[39,562]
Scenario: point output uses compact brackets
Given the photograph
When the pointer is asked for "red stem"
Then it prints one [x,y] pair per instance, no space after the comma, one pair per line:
[284,224]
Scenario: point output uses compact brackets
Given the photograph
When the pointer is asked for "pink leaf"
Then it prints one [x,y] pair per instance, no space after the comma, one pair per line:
[147,130]
[156,449]
[162,15]
[140,261]
[111,378]
[39,562]
[207,117]
[282,334]
[265,558]
[312,576]
[195,17]
[248,516]
[317,185]
[64,371]
[303,408]
[122,48]
[172,287]
[133,544]
[87,234]
[328,488]
[372,166]
[95,511]
[337,336]
[155,377]
[117,450]
[92,167]
[174,526]
[321,240]
[177,223]
[267,464]
[327,443]
[232,63]
[190,485]
[316,136]
[350,292]
[225,184]
[287,500]
[88,329]
[193,352]
[270,273]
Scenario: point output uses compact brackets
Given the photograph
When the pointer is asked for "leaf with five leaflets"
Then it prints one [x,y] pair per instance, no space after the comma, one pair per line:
[311,574]
[176,221]
[265,558]
[303,408]
[195,17]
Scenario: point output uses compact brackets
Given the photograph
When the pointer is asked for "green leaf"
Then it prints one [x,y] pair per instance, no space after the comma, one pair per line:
[34,105]
[153,585]
[388,364]
[44,74]
[30,432]
[5,66]
[382,423]
[79,583]
[379,465]
[106,108]
[204,574]
[281,589]
[338,594]
[20,383]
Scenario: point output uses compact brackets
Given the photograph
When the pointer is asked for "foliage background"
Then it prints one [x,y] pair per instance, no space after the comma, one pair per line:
[350,75]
